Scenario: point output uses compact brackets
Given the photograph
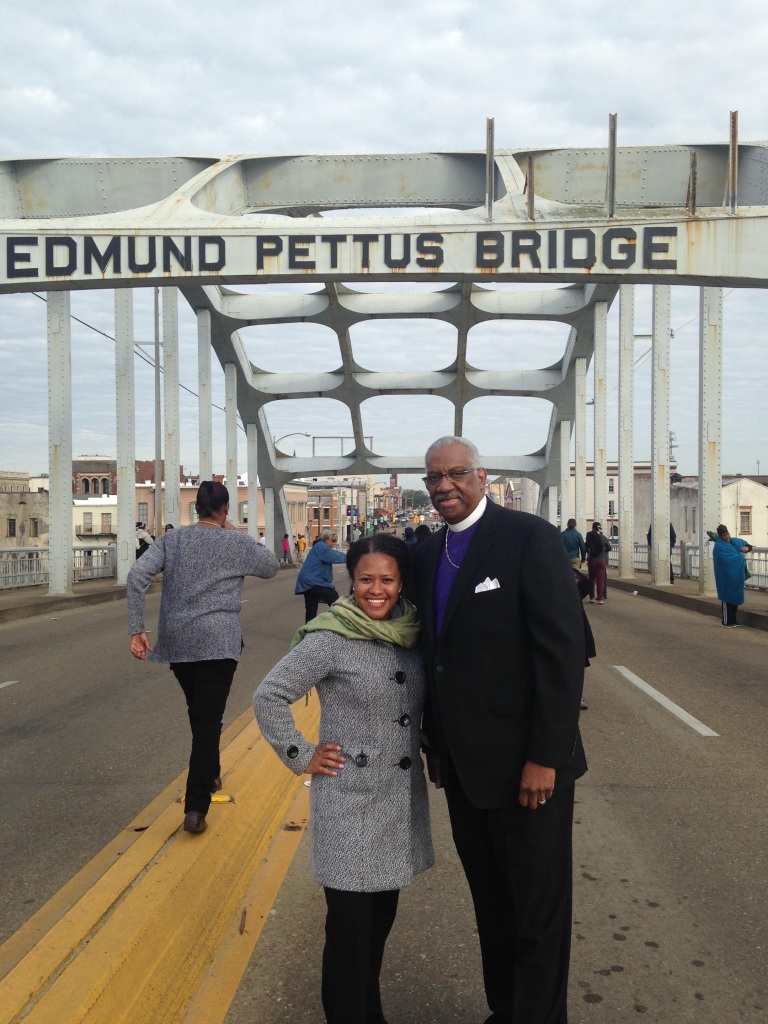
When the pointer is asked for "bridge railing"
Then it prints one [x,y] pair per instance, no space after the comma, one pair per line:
[28,567]
[686,561]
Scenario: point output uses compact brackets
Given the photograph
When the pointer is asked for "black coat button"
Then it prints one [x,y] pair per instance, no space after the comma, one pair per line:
[292,752]
[405,763]
[405,719]
[399,677]
[361,760]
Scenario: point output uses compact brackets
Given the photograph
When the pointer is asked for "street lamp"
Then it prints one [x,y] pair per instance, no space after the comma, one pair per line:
[293,433]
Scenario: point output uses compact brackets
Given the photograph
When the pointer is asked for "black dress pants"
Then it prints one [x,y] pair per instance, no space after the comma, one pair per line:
[356,928]
[314,596]
[518,864]
[206,688]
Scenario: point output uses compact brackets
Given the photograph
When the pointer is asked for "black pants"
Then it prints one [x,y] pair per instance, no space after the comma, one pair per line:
[206,687]
[356,928]
[729,613]
[518,864]
[314,596]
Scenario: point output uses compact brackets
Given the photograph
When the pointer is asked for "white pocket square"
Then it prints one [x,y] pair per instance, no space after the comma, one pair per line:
[487,584]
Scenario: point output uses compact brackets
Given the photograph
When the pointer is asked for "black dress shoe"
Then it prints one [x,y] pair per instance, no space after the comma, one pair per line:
[194,821]
[216,784]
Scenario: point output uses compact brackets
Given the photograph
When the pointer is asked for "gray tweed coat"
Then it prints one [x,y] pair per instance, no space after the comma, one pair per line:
[369,825]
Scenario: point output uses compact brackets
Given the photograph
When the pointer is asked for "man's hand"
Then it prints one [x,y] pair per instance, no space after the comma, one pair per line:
[140,646]
[536,785]
[433,770]
[326,760]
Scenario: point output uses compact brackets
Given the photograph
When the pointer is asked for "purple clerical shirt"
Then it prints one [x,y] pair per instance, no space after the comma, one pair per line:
[458,543]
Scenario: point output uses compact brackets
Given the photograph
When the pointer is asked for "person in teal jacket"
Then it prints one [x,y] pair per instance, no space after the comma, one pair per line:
[730,572]
[315,579]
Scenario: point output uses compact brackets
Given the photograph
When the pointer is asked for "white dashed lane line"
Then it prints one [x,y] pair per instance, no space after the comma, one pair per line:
[665,702]
[10,682]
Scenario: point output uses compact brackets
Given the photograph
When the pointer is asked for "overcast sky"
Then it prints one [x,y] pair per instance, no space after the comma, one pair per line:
[243,76]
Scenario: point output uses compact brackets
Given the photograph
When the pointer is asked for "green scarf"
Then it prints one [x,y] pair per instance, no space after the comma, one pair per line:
[346,618]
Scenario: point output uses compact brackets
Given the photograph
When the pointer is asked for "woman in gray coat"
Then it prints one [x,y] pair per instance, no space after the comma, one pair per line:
[369,813]
[199,632]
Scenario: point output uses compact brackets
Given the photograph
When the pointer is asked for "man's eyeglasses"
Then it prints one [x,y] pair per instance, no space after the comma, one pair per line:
[455,475]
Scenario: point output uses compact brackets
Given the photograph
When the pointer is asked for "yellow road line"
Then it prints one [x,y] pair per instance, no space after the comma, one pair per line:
[22,941]
[138,944]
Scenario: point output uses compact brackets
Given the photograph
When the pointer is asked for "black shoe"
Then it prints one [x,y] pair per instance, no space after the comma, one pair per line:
[194,821]
[216,784]
[584,707]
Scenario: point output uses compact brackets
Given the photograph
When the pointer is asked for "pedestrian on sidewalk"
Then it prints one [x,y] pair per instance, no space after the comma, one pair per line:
[730,572]
[369,814]
[199,631]
[286,549]
[503,639]
[598,547]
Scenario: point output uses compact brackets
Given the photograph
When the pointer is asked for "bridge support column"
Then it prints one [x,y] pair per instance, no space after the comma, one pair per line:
[230,405]
[626,431]
[252,436]
[552,497]
[565,472]
[659,556]
[269,520]
[205,421]
[710,428]
[126,435]
[580,462]
[60,554]
[171,401]
[600,465]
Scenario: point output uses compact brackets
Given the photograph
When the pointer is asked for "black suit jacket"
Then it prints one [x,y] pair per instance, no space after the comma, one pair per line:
[505,676]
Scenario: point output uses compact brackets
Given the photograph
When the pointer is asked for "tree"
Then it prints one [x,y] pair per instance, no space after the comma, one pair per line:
[415,499]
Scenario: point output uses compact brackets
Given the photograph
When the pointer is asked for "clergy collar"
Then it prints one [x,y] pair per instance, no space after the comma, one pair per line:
[471,519]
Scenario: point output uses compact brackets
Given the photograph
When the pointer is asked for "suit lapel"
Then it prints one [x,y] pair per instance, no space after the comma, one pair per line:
[466,576]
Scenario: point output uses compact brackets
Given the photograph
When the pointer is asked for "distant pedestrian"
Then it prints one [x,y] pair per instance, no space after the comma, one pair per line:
[286,549]
[422,533]
[730,572]
[597,546]
[409,537]
[301,548]
[199,632]
[167,527]
[574,545]
[262,540]
[315,579]
[143,539]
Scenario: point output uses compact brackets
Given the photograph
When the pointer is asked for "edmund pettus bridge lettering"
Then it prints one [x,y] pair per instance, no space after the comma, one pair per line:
[113,257]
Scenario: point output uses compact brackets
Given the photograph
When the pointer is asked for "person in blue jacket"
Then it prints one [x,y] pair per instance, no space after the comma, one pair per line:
[730,572]
[315,579]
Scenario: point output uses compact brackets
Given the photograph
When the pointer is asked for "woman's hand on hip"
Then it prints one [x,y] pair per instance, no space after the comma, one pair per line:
[140,646]
[326,760]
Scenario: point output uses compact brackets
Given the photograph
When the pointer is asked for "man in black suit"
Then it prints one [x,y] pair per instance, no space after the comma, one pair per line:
[503,636]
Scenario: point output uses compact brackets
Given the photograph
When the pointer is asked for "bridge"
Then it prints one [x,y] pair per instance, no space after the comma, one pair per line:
[462,225]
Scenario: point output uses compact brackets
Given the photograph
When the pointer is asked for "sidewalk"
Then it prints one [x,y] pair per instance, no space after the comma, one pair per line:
[685,594]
